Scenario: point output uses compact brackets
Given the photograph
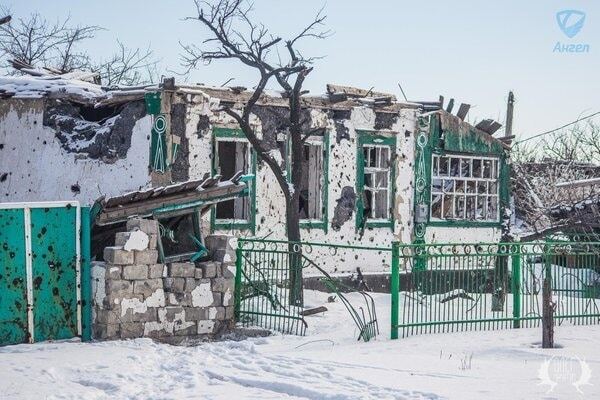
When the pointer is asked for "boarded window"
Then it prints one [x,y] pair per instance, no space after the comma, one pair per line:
[311,190]
[464,188]
[233,156]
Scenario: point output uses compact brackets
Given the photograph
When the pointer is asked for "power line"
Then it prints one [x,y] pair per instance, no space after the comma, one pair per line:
[559,128]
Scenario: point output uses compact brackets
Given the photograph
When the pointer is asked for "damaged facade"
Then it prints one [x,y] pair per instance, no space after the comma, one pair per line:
[375,171]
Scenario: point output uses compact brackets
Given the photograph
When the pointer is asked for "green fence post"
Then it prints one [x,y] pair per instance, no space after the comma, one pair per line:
[86,276]
[516,287]
[395,288]
[238,281]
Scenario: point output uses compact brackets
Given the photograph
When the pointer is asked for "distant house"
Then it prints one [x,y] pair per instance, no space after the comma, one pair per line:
[376,170]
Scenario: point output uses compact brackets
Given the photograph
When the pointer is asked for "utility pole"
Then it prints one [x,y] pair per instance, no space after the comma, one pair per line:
[509,114]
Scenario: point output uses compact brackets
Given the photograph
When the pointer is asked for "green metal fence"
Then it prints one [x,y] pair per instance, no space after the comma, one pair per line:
[478,286]
[268,296]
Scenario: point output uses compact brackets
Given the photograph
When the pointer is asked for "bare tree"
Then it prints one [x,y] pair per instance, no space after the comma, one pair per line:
[234,36]
[59,47]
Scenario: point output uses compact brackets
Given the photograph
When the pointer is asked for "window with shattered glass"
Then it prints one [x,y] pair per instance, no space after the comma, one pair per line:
[376,171]
[464,188]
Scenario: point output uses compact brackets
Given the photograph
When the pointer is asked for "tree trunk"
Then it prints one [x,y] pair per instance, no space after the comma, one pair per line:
[547,315]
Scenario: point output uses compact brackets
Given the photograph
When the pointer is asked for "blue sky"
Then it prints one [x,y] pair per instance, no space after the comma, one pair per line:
[473,51]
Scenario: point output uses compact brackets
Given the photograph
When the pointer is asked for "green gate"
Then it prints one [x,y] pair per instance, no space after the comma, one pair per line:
[44,259]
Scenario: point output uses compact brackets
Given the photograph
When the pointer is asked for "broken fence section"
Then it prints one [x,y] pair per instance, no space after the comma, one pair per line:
[268,290]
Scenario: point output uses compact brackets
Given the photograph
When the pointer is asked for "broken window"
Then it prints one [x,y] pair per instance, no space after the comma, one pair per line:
[232,156]
[376,172]
[179,236]
[311,189]
[464,188]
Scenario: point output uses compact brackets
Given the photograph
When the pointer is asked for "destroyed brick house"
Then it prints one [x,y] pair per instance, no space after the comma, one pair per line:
[377,170]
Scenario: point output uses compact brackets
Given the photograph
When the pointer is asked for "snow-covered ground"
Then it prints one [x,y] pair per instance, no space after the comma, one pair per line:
[328,363]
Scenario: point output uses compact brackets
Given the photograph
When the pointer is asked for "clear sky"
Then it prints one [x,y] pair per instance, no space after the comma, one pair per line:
[473,51]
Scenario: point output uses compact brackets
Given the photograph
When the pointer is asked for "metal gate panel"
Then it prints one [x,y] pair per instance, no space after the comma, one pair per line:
[40,278]
[13,278]
[55,271]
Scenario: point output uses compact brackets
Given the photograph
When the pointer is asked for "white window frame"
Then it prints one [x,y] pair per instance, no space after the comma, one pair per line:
[450,188]
[375,189]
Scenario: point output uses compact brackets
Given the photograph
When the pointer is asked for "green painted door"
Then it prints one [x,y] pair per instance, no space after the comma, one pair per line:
[13,278]
[40,292]
[54,272]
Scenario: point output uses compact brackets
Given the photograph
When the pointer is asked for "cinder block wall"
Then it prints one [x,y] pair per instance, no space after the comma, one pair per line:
[134,296]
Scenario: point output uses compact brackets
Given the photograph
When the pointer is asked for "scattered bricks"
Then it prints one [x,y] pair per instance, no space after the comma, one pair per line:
[174,313]
[148,226]
[153,241]
[206,327]
[217,313]
[174,285]
[182,270]
[156,271]
[147,287]
[106,331]
[185,328]
[146,256]
[113,271]
[118,256]
[228,270]
[209,269]
[191,283]
[229,312]
[135,272]
[195,313]
[131,330]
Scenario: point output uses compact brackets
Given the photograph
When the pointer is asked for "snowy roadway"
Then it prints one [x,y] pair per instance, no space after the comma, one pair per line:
[326,364]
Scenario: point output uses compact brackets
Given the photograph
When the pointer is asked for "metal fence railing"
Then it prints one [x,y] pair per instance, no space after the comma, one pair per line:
[459,287]
[269,293]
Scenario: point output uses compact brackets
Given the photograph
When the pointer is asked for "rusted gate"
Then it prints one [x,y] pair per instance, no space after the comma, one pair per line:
[44,291]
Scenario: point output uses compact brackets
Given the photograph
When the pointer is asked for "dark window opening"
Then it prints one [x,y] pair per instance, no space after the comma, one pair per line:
[311,189]
[179,236]
[233,156]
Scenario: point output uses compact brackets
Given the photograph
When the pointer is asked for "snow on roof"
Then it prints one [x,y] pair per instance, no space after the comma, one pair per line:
[42,86]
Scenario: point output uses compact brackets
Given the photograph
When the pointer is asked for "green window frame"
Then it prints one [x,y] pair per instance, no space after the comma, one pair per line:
[235,135]
[371,139]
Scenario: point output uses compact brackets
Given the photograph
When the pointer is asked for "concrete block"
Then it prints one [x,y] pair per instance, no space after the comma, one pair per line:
[182,270]
[147,287]
[148,226]
[209,269]
[216,313]
[106,331]
[156,271]
[154,329]
[113,272]
[118,256]
[228,298]
[121,238]
[153,243]
[206,327]
[229,312]
[191,283]
[173,313]
[131,330]
[146,256]
[174,299]
[228,270]
[195,313]
[198,273]
[185,328]
[174,285]
[135,272]
[119,288]
[222,285]
[216,242]
[223,256]
[150,314]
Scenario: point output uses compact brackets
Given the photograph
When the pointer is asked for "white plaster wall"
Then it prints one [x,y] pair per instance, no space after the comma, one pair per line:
[41,170]
[270,215]
[462,235]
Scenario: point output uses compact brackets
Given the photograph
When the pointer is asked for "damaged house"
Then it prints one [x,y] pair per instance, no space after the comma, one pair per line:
[376,169]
